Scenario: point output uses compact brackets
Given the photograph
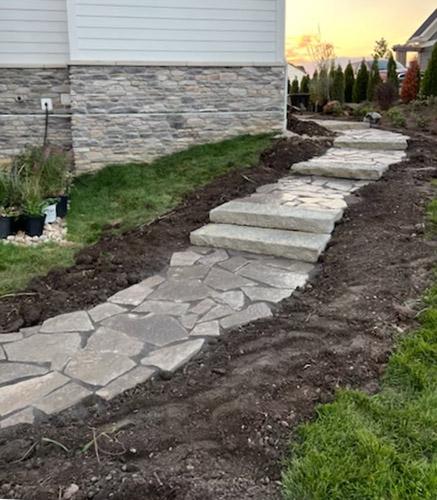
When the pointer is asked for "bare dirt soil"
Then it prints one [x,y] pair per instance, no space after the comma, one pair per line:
[219,428]
[116,262]
[307,127]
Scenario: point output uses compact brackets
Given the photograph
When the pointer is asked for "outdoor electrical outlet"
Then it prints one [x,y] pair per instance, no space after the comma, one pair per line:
[46,104]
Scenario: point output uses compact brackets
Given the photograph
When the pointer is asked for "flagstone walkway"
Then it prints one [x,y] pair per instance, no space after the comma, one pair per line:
[256,252]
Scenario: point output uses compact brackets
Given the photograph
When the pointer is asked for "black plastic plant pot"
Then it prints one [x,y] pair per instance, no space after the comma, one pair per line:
[17,223]
[5,227]
[34,225]
[62,206]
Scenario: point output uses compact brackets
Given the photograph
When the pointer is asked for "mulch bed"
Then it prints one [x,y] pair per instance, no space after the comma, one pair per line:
[219,428]
[116,262]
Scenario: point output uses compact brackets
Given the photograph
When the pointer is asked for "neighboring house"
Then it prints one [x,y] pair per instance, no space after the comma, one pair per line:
[295,72]
[421,43]
[133,80]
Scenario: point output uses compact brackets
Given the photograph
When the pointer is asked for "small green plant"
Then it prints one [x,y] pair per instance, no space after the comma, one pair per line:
[362,110]
[396,117]
[33,203]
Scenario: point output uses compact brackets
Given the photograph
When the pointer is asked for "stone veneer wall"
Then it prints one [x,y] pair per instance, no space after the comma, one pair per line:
[133,114]
[21,117]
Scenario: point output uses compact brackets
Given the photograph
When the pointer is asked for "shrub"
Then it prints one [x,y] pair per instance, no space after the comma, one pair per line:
[333,108]
[396,117]
[295,86]
[361,84]
[411,84]
[386,94]
[338,87]
[429,87]
[374,80]
[349,80]
[392,74]
[319,88]
[305,84]
[363,109]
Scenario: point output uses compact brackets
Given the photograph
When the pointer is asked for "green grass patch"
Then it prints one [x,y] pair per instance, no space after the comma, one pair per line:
[376,447]
[127,196]
[18,265]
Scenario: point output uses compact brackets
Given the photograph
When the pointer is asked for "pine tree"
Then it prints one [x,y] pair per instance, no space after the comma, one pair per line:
[392,74]
[374,80]
[295,86]
[349,80]
[361,83]
[305,85]
[411,84]
[429,87]
[338,88]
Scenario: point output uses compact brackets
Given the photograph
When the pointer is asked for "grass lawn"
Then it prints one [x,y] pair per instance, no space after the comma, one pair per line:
[382,446]
[128,195]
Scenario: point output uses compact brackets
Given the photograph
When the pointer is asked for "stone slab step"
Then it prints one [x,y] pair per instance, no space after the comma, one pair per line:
[338,126]
[305,247]
[359,171]
[375,143]
[276,217]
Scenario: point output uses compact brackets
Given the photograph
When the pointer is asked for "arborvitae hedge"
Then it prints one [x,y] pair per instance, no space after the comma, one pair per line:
[361,84]
[338,87]
[305,85]
[374,80]
[349,80]
[295,86]
[429,87]
[392,74]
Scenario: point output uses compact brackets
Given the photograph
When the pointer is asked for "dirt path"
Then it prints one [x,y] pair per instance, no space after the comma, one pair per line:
[219,430]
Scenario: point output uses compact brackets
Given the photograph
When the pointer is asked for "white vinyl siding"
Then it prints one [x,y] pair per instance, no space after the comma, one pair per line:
[177,31]
[33,32]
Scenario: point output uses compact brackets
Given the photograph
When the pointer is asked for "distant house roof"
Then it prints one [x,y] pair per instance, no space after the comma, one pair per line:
[425,25]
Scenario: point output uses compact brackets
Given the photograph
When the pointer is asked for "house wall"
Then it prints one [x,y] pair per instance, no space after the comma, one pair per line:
[33,32]
[131,113]
[22,120]
[177,31]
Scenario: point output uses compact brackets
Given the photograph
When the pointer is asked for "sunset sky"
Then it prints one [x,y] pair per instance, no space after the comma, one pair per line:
[352,25]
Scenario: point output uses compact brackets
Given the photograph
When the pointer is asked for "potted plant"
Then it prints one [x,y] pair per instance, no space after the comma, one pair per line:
[5,218]
[33,206]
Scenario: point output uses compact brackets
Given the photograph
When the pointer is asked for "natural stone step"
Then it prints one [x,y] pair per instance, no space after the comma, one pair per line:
[276,217]
[296,245]
[372,140]
[337,126]
[359,171]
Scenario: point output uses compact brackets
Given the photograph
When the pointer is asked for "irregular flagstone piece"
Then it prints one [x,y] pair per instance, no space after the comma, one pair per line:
[234,299]
[31,330]
[155,330]
[22,417]
[70,322]
[2,354]
[98,368]
[132,296]
[274,295]
[54,349]
[181,291]
[372,139]
[203,307]
[10,337]
[214,257]
[108,340]
[10,372]
[22,394]
[252,313]
[171,358]
[128,381]
[220,279]
[234,263]
[211,329]
[189,321]
[152,282]
[187,258]
[217,313]
[104,311]
[162,307]
[197,271]
[292,266]
[274,277]
[62,398]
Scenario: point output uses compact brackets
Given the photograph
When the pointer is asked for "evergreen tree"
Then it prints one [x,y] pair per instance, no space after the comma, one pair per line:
[374,80]
[381,49]
[331,77]
[392,74]
[429,87]
[323,86]
[338,88]
[411,84]
[305,85]
[361,83]
[295,86]
[349,80]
